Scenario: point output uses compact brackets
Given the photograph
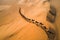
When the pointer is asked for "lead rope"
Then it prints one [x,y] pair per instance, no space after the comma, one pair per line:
[51,33]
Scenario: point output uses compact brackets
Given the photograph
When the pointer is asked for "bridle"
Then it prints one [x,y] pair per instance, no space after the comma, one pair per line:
[50,33]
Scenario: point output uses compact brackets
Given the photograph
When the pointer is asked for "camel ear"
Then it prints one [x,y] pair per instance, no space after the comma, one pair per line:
[51,15]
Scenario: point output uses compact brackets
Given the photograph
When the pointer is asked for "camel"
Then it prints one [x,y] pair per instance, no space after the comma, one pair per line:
[15,26]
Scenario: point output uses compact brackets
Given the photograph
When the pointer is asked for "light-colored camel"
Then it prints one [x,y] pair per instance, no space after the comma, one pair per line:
[14,27]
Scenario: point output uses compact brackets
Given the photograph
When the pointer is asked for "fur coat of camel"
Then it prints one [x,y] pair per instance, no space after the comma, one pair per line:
[14,27]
